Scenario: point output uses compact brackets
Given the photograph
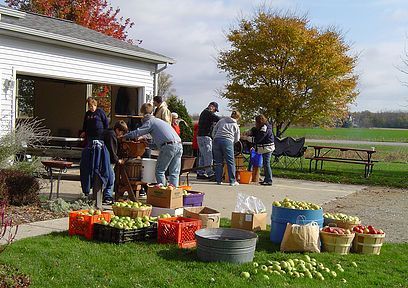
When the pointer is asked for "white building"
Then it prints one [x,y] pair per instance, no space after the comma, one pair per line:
[48,66]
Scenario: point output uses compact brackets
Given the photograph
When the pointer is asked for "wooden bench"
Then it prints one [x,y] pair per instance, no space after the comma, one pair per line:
[322,157]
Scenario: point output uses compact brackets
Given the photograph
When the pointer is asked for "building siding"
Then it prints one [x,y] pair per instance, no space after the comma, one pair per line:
[25,57]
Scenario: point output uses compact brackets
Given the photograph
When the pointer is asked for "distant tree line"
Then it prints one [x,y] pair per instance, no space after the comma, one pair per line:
[367,119]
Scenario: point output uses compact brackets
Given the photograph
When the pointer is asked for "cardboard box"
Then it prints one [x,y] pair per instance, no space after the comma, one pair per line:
[165,198]
[156,211]
[210,218]
[249,221]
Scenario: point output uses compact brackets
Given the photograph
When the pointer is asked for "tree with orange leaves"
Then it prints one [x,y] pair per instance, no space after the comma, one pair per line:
[97,15]
[281,66]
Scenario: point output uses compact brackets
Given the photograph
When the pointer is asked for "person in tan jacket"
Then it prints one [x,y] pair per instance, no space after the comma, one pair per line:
[161,111]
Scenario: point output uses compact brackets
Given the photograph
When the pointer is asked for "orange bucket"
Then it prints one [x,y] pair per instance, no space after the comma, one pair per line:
[245,177]
[186,187]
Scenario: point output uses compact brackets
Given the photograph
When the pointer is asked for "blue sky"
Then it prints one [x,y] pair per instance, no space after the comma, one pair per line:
[191,31]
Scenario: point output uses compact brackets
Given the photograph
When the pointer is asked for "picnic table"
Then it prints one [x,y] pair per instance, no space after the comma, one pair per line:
[325,153]
[56,166]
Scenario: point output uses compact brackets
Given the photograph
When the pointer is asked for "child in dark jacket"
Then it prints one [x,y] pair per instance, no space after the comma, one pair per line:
[111,141]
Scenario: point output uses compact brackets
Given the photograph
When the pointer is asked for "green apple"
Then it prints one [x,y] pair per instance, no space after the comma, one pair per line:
[245,275]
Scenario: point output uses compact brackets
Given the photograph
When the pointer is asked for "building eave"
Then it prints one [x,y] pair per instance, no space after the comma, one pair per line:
[47,37]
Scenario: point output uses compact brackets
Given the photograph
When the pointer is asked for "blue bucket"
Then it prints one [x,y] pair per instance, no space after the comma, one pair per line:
[256,159]
[281,216]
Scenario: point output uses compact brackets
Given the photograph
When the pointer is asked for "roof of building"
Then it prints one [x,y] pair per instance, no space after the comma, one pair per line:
[64,31]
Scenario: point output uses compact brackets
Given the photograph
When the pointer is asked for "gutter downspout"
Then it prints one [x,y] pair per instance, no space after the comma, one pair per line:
[155,77]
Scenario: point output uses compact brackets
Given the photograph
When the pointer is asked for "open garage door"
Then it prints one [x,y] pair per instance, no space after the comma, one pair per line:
[62,104]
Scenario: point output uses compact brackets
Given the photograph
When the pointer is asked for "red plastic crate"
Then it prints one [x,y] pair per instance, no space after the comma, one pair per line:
[179,230]
[83,224]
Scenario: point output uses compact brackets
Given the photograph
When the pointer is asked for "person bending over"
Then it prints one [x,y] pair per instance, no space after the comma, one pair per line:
[166,139]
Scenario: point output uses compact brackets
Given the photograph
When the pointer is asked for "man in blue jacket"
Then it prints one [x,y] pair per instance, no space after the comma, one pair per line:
[166,139]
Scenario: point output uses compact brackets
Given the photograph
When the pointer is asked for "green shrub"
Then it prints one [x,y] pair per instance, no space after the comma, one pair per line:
[18,187]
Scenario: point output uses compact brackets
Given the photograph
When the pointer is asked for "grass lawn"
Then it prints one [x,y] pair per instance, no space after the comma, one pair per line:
[363,134]
[58,260]
[391,170]
[384,174]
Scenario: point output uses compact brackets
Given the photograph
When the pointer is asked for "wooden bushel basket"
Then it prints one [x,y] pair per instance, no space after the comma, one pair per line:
[132,149]
[140,212]
[368,243]
[336,243]
[134,169]
[121,211]
[341,223]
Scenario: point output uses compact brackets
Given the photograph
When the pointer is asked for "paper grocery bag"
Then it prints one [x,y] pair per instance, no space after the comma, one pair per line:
[301,238]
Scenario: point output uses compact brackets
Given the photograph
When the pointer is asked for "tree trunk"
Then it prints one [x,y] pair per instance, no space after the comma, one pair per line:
[278,130]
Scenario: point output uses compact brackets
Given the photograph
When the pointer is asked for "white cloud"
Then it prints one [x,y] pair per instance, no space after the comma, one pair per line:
[191,31]
[380,80]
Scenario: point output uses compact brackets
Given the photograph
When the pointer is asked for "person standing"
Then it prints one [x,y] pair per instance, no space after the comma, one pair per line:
[175,122]
[194,143]
[110,138]
[161,111]
[206,123]
[226,133]
[264,144]
[95,122]
[168,142]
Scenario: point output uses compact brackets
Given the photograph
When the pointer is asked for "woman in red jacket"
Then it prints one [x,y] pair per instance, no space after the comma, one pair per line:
[175,122]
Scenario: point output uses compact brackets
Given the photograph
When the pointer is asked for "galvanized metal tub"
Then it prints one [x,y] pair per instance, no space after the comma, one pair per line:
[226,245]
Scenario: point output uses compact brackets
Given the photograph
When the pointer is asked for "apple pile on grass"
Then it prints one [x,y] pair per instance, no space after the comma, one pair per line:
[296,268]
[342,217]
[132,204]
[90,212]
[298,205]
[367,230]
[337,230]
[128,223]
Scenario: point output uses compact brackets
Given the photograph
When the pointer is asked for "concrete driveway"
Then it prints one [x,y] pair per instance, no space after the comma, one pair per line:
[223,197]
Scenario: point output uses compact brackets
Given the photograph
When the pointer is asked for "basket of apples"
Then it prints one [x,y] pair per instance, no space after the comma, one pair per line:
[121,208]
[368,240]
[336,239]
[139,209]
[341,220]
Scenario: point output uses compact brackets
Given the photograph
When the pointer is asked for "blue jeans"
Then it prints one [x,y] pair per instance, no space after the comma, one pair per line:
[224,149]
[206,155]
[266,158]
[169,158]
[108,191]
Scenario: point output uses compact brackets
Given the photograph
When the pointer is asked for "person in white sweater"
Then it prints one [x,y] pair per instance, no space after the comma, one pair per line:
[225,134]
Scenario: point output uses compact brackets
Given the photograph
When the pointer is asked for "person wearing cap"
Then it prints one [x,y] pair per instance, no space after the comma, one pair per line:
[206,122]
[168,142]
[175,122]
[161,111]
